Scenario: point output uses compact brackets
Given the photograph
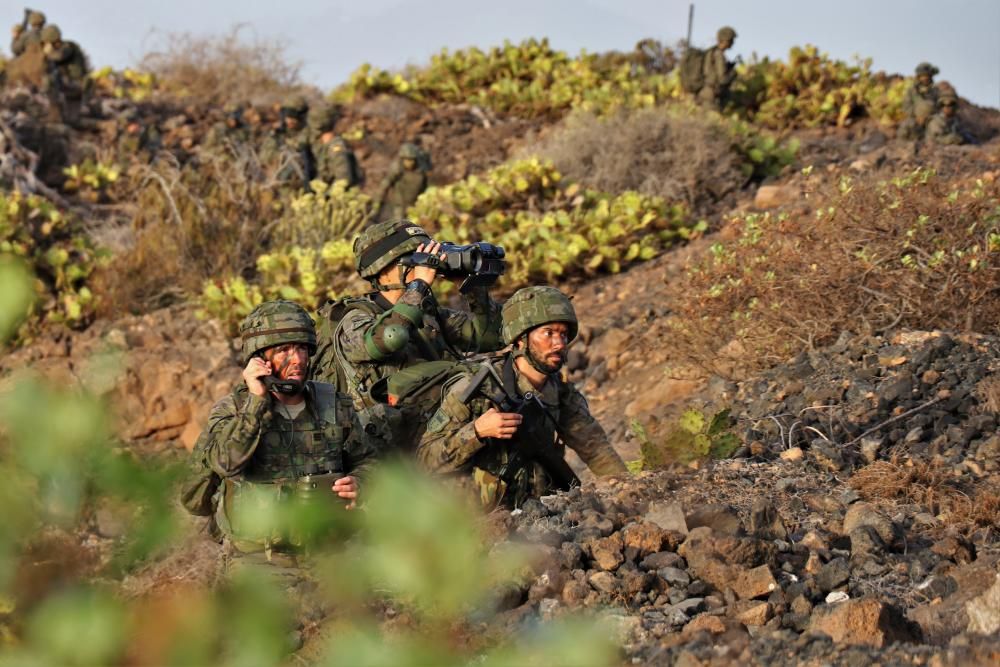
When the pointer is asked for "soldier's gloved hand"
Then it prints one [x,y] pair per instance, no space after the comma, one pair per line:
[495,424]
[426,273]
[347,488]
[255,370]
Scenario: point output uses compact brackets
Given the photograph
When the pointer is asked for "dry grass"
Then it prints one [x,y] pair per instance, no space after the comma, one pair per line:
[668,153]
[933,487]
[988,393]
[918,252]
[236,67]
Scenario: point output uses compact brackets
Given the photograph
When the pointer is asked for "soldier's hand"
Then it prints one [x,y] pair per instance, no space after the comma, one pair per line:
[495,424]
[347,488]
[426,273]
[255,370]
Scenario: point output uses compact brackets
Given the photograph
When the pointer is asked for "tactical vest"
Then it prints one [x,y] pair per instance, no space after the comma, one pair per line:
[309,445]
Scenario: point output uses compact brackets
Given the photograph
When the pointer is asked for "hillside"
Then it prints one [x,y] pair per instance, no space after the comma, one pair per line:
[788,329]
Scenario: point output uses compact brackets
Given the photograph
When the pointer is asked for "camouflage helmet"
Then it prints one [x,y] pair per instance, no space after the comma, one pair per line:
[323,119]
[725,34]
[297,105]
[382,244]
[36,19]
[51,34]
[926,69]
[276,323]
[532,307]
[338,144]
[409,151]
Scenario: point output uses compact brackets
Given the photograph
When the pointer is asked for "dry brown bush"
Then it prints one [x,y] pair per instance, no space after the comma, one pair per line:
[669,153]
[189,223]
[932,486]
[236,67]
[916,252]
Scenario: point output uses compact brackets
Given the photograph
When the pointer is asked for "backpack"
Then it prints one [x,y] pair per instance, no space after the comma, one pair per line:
[200,486]
[692,70]
[326,362]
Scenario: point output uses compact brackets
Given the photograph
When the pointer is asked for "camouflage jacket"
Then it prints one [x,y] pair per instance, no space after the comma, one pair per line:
[399,190]
[944,130]
[256,449]
[69,64]
[920,103]
[221,134]
[339,165]
[291,153]
[20,44]
[719,73]
[355,342]
[450,445]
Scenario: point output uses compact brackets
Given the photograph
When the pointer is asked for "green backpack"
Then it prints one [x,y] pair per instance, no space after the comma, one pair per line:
[325,363]
[692,70]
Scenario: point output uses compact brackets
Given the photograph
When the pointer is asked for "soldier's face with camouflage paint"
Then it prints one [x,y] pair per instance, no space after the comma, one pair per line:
[548,345]
[289,361]
[925,80]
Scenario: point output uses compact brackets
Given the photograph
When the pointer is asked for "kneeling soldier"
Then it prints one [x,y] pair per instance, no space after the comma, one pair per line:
[279,438]
[503,430]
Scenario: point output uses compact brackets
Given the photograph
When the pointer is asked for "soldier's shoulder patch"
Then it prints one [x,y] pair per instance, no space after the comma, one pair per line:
[437,422]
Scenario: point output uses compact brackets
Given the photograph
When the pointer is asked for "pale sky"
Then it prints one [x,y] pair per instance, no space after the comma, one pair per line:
[333,37]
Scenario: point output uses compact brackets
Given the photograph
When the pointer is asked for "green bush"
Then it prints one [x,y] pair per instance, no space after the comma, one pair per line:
[528,79]
[551,229]
[811,89]
[59,252]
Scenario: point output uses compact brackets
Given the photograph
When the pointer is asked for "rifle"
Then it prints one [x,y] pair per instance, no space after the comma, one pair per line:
[522,453]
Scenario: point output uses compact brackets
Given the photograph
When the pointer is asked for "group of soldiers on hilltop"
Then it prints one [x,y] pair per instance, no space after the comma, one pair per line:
[476,397]
[929,110]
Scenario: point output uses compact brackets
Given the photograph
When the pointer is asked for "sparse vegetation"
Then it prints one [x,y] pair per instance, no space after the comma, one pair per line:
[694,436]
[916,251]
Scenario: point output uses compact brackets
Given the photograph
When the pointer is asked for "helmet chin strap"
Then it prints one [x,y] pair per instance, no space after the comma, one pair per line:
[391,286]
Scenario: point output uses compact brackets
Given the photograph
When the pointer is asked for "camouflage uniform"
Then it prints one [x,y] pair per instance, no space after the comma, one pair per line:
[137,140]
[335,161]
[25,39]
[67,73]
[365,339]
[402,185]
[943,127]
[262,455]
[289,150]
[718,73]
[919,103]
[451,447]
[232,131]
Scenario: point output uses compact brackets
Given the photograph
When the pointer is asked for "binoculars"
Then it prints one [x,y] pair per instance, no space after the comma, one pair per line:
[480,263]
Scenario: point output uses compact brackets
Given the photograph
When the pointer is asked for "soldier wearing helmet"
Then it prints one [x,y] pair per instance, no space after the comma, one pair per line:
[27,34]
[475,435]
[232,130]
[920,103]
[335,161]
[279,433]
[943,127]
[66,81]
[365,339]
[406,180]
[288,148]
[718,72]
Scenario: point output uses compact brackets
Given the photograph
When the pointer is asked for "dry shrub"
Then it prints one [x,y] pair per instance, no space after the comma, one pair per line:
[190,223]
[988,393]
[914,252]
[932,486]
[668,153]
[223,68]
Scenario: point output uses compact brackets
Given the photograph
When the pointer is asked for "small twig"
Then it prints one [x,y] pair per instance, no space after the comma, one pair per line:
[895,419]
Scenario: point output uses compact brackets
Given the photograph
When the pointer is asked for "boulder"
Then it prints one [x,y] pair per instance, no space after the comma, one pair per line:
[755,583]
[773,196]
[864,514]
[765,521]
[668,516]
[607,552]
[984,611]
[719,518]
[863,621]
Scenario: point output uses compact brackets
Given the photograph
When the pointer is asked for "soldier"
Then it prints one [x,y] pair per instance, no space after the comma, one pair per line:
[919,103]
[67,73]
[718,73]
[365,339]
[232,129]
[406,180]
[279,438]
[21,38]
[137,141]
[943,127]
[335,161]
[288,146]
[503,433]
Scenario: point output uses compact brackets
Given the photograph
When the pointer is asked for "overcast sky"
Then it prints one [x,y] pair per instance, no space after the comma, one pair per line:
[332,37]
